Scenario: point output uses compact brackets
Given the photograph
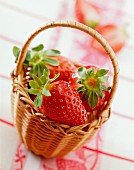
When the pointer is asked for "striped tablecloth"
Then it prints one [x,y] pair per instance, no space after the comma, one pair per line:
[112,148]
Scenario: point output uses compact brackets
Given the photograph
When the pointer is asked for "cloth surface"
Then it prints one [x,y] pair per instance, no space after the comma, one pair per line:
[112,148]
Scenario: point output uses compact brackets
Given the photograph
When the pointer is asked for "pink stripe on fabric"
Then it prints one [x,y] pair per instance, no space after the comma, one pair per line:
[4,77]
[10,40]
[131,80]
[123,116]
[23,11]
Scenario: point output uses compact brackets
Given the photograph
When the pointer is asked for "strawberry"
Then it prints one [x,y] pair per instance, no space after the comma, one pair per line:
[115,36]
[87,13]
[57,100]
[66,69]
[93,90]
[37,60]
[100,103]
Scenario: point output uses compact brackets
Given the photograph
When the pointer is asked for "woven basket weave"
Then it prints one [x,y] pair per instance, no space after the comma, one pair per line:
[42,135]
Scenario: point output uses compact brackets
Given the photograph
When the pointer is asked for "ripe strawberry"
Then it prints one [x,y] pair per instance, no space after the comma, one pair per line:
[87,13]
[66,69]
[115,36]
[100,103]
[37,60]
[58,100]
[93,90]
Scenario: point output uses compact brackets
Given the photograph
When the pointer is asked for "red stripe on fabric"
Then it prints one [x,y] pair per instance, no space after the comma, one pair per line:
[109,154]
[4,77]
[98,139]
[6,122]
[23,11]
[123,116]
[20,157]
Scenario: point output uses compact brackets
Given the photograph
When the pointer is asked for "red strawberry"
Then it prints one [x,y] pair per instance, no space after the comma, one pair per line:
[99,104]
[87,13]
[37,60]
[115,36]
[58,100]
[93,90]
[66,69]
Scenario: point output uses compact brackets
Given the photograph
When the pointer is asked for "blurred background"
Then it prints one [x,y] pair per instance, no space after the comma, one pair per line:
[112,148]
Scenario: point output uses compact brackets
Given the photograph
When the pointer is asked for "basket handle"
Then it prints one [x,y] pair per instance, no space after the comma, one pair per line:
[86,29]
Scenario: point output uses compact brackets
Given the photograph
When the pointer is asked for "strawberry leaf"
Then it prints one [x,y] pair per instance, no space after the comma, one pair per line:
[81,88]
[52,52]
[51,61]
[44,79]
[37,80]
[16,52]
[38,48]
[103,79]
[33,91]
[100,94]
[90,73]
[46,92]
[103,87]
[27,59]
[40,68]
[55,77]
[38,100]
[101,72]
[92,99]
[34,84]
[82,72]
[35,59]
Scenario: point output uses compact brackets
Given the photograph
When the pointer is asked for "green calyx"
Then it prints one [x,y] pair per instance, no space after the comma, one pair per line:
[41,86]
[93,84]
[92,23]
[38,59]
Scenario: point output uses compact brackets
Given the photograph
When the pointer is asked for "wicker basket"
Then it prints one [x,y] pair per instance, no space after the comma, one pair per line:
[42,135]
